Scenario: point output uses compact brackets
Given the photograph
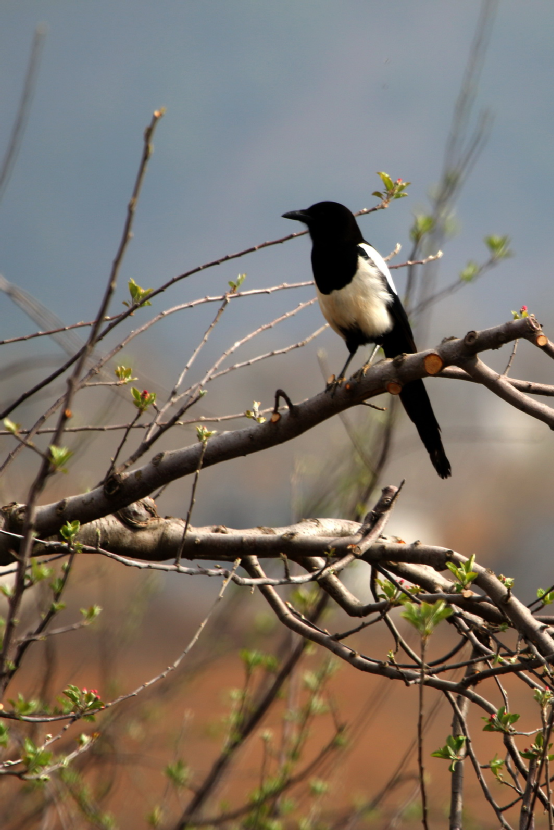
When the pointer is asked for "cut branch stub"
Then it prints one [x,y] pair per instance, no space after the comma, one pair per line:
[393,387]
[433,363]
[541,340]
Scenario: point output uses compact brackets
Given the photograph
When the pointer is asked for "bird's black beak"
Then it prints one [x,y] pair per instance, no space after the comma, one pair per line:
[299,215]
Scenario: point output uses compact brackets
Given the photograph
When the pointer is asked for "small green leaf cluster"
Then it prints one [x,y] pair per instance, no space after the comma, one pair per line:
[138,295]
[178,773]
[236,285]
[425,617]
[423,225]
[4,735]
[91,613]
[546,597]
[393,594]
[523,312]
[544,697]
[35,758]
[464,573]
[85,799]
[202,434]
[142,400]
[305,598]
[536,749]
[392,189]
[499,249]
[254,413]
[70,530]
[22,707]
[11,426]
[507,581]
[59,456]
[499,246]
[124,374]
[452,750]
[155,816]
[39,572]
[470,272]
[495,765]
[501,721]
[254,659]
[83,702]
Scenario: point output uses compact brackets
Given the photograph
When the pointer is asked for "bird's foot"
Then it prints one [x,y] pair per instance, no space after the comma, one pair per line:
[362,371]
[333,384]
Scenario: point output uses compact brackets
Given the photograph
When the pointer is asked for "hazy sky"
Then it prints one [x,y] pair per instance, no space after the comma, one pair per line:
[271,106]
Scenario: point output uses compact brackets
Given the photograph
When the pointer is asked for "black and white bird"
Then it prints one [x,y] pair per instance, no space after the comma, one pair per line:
[358,299]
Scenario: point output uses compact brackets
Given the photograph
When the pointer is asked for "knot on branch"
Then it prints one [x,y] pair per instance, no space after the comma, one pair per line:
[113,485]
[139,514]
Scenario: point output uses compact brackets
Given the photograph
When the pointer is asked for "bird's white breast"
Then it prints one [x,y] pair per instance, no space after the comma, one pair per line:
[362,304]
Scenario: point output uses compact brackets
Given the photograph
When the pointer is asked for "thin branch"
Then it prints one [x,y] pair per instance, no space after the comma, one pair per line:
[22,116]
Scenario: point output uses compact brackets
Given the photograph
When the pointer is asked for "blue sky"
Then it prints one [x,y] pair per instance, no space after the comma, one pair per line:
[270,107]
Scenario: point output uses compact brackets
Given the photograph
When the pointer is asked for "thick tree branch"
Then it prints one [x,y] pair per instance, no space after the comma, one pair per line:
[129,487]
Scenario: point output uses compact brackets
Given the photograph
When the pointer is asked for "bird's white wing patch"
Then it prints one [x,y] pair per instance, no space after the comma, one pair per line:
[380,263]
[361,305]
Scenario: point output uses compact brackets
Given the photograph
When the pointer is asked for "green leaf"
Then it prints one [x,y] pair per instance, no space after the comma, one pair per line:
[138,294]
[203,434]
[142,400]
[423,224]
[386,179]
[59,456]
[11,426]
[496,765]
[155,817]
[178,773]
[470,272]
[91,613]
[463,572]
[501,721]
[24,707]
[39,571]
[425,617]
[124,374]
[543,698]
[451,751]
[236,285]
[70,530]
[254,413]
[499,246]
[547,597]
[318,787]
[4,735]
[33,757]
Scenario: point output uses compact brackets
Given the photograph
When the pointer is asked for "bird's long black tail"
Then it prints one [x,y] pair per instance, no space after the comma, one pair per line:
[418,408]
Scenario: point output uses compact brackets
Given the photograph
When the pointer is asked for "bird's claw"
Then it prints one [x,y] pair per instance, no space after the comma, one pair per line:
[362,371]
[333,384]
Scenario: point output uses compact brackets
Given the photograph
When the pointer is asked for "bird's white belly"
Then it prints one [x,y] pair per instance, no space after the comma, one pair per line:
[362,304]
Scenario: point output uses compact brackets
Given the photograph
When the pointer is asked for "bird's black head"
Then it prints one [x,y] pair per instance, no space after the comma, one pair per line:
[329,222]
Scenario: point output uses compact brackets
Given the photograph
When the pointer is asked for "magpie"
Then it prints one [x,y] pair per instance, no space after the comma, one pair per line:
[358,299]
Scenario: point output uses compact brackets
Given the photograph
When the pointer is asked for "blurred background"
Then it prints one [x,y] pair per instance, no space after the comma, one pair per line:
[272,107]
